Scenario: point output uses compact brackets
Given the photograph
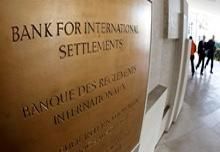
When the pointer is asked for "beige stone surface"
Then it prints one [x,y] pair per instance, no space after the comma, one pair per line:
[152,121]
[198,126]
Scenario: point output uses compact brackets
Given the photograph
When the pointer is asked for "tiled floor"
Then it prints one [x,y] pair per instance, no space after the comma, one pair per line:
[198,126]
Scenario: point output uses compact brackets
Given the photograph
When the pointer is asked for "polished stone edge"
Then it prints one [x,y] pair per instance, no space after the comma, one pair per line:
[136,148]
[154,95]
[166,109]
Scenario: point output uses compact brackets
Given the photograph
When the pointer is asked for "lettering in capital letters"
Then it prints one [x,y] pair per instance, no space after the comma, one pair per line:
[60,28]
[46,30]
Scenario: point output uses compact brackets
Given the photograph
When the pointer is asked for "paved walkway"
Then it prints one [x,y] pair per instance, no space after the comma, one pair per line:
[198,126]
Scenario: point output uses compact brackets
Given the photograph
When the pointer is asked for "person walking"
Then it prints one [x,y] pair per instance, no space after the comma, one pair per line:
[211,52]
[193,50]
[201,52]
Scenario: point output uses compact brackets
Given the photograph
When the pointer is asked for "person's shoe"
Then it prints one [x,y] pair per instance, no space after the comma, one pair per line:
[201,74]
[211,72]
[193,74]
[196,67]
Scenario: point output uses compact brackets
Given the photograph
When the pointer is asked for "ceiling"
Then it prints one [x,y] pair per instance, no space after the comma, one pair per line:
[207,6]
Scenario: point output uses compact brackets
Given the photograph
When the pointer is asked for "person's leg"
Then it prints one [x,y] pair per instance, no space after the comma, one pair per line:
[203,60]
[200,59]
[192,64]
[207,62]
[212,63]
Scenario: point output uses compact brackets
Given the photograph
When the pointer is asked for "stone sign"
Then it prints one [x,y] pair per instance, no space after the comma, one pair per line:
[73,74]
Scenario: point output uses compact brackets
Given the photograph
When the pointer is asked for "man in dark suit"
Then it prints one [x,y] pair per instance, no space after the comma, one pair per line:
[201,52]
[211,52]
